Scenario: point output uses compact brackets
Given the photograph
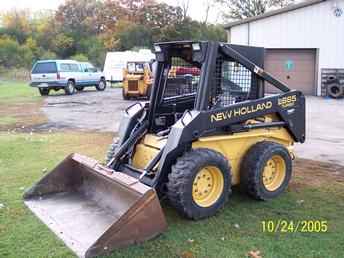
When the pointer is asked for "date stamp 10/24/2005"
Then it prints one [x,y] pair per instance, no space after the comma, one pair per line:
[291,226]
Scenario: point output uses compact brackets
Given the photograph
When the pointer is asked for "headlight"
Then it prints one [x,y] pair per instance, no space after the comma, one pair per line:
[133,109]
[196,47]
[187,118]
[157,48]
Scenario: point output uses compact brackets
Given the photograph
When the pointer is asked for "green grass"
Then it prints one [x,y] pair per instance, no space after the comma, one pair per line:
[116,85]
[7,120]
[17,92]
[23,157]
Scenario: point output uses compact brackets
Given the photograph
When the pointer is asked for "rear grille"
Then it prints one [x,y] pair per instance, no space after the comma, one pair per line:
[133,85]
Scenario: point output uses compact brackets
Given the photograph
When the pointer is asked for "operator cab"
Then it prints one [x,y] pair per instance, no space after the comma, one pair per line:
[181,68]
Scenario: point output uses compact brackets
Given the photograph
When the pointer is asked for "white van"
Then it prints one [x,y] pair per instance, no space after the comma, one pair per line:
[115,62]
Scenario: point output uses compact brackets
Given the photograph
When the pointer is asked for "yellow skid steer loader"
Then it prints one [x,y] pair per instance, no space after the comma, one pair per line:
[137,80]
[201,133]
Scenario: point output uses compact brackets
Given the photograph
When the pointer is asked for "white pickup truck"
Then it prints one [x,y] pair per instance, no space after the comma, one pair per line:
[68,75]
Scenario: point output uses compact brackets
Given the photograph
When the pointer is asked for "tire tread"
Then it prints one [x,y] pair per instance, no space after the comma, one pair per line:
[252,164]
[181,175]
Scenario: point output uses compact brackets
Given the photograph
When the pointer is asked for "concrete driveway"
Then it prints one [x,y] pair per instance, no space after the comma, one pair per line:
[101,111]
[324,131]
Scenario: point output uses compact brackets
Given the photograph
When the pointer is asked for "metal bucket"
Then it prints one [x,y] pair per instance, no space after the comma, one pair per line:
[94,209]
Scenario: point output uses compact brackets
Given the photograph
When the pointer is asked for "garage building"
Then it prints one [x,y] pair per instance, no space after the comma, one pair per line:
[304,43]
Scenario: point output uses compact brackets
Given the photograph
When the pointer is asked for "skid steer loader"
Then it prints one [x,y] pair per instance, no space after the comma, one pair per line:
[188,146]
[137,79]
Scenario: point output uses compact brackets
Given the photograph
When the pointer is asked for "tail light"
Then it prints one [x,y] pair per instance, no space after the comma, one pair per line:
[58,76]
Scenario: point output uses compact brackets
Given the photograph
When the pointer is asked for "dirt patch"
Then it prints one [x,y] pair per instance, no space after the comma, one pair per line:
[316,173]
[24,114]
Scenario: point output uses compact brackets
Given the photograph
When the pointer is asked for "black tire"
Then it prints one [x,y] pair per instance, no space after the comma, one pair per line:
[111,151]
[101,86]
[335,91]
[124,95]
[70,88]
[43,91]
[331,79]
[253,164]
[181,181]
[79,88]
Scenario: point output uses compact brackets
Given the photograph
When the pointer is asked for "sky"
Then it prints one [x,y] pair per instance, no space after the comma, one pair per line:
[196,8]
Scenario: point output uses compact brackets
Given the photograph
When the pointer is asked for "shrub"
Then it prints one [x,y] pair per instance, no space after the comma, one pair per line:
[79,57]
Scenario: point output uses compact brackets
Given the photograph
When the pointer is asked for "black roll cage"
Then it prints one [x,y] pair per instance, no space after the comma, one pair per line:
[206,57]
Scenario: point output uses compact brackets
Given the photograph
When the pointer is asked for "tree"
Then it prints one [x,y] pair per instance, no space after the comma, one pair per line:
[45,30]
[112,13]
[32,44]
[135,36]
[160,15]
[14,55]
[208,4]
[86,29]
[241,9]
[63,45]
[184,5]
[133,7]
[16,24]
[93,48]
[81,17]
[80,58]
[47,54]
[212,32]
[9,49]
[281,3]
[194,30]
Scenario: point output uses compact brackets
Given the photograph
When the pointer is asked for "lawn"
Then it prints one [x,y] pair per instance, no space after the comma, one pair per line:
[17,92]
[7,120]
[236,230]
[316,193]
[19,105]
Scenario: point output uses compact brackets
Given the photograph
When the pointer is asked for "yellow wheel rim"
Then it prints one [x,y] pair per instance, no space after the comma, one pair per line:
[207,186]
[274,173]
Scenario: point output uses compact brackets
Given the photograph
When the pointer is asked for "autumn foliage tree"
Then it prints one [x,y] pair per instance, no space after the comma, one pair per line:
[241,9]
[87,29]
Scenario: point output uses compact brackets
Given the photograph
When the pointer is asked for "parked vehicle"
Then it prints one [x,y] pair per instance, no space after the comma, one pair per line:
[68,75]
[115,62]
[137,80]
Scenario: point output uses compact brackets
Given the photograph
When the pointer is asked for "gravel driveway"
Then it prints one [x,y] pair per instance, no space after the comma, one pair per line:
[88,110]
[101,111]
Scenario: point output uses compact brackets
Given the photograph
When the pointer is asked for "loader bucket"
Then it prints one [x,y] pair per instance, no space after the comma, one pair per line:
[94,209]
